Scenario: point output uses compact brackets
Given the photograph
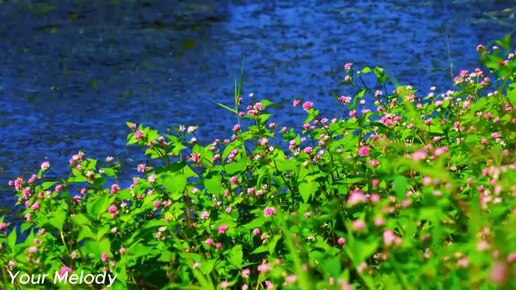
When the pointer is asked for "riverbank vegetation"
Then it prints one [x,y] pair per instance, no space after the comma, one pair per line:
[406,191]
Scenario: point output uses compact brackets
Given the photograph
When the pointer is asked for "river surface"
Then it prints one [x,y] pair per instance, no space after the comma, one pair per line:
[73,72]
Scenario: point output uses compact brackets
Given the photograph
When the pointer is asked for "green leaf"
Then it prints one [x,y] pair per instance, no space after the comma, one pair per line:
[287,165]
[366,70]
[236,256]
[260,249]
[96,208]
[92,249]
[207,266]
[511,94]
[307,190]
[359,251]
[86,233]
[80,219]
[139,250]
[401,185]
[174,182]
[58,219]
[331,267]
[213,183]
[236,167]
[11,239]
[256,223]
[272,244]
[225,107]
[380,75]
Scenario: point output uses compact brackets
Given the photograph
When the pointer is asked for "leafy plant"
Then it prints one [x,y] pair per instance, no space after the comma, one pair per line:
[407,191]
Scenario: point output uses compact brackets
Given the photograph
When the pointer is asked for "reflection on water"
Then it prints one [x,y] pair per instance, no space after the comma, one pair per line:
[73,72]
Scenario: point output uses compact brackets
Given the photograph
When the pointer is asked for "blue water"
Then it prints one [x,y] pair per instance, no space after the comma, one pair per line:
[72,74]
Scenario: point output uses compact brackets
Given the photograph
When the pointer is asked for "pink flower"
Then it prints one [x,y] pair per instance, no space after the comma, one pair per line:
[218,246]
[269,211]
[35,206]
[264,267]
[498,273]
[156,204]
[364,151]
[375,182]
[138,135]
[390,239]
[32,250]
[308,150]
[463,262]
[236,128]
[256,231]
[112,209]
[440,151]
[141,167]
[191,129]
[209,242]
[114,188]
[344,99]
[419,155]
[341,241]
[45,165]
[3,226]
[362,267]
[104,257]
[122,250]
[245,273]
[195,157]
[204,215]
[374,162]
[308,105]
[356,197]
[110,158]
[347,66]
[222,229]
[233,180]
[224,284]
[358,225]
[296,103]
[58,188]
[64,270]
[152,178]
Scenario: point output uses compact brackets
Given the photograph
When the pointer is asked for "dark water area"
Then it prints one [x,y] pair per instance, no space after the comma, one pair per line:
[73,72]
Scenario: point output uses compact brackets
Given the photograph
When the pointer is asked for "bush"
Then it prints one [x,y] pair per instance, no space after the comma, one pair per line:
[416,193]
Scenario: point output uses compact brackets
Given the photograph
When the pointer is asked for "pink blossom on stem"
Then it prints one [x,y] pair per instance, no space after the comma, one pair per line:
[269,211]
[63,270]
[364,151]
[222,229]
[45,165]
[308,105]
[112,209]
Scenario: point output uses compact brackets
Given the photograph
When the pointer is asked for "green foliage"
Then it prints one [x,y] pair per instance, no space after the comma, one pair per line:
[416,194]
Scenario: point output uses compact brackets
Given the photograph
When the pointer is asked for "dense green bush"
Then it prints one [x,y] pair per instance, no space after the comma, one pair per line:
[416,193]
